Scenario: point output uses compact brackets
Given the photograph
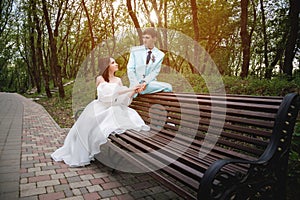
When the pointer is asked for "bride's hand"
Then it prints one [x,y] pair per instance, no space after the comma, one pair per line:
[141,87]
[137,88]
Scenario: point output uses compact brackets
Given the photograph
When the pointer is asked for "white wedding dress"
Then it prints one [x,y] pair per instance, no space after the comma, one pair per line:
[108,114]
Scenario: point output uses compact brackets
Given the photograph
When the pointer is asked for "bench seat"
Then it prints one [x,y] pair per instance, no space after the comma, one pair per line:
[211,146]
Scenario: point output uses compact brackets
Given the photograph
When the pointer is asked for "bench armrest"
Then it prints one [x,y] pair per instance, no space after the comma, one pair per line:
[219,183]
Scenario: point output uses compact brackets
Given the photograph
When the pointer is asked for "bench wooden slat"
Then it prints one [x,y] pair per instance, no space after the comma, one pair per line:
[240,138]
[162,159]
[174,101]
[246,129]
[189,157]
[114,140]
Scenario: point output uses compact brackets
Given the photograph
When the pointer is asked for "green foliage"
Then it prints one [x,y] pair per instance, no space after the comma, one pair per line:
[278,86]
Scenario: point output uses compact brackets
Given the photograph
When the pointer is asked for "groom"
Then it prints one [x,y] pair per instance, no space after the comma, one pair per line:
[144,65]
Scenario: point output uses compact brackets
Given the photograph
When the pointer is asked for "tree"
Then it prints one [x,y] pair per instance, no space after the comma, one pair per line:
[6,43]
[53,48]
[290,49]
[268,72]
[134,19]
[196,36]
[90,25]
[39,50]
[245,36]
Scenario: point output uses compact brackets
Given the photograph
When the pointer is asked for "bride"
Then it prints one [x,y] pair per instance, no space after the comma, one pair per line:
[108,114]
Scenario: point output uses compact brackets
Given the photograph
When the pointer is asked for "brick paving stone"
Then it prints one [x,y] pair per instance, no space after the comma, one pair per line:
[27,175]
[47,183]
[97,181]
[74,198]
[70,174]
[87,177]
[94,188]
[50,189]
[57,176]
[141,185]
[68,193]
[62,170]
[50,167]
[156,189]
[83,190]
[27,186]
[79,184]
[106,193]
[88,171]
[40,165]
[113,198]
[123,190]
[111,185]
[52,196]
[138,194]
[23,180]
[125,197]
[100,175]
[73,179]
[32,191]
[38,178]
[76,192]
[91,196]
[63,181]
[47,172]
[117,191]
[35,169]
[61,187]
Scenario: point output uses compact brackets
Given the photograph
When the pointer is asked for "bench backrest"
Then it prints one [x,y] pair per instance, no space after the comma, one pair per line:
[238,125]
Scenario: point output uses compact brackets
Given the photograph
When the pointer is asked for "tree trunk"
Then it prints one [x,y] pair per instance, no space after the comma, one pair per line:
[269,69]
[92,37]
[34,65]
[292,37]
[196,38]
[135,20]
[53,56]
[39,52]
[165,37]
[245,37]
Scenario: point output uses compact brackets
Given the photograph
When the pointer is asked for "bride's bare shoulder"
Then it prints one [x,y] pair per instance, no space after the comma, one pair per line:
[119,81]
[99,79]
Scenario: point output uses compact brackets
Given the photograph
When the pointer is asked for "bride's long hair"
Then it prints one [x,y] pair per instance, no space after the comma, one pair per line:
[104,64]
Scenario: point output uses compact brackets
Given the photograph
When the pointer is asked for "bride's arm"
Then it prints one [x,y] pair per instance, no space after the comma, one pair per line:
[132,90]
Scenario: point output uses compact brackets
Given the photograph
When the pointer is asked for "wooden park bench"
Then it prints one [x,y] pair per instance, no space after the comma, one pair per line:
[212,146]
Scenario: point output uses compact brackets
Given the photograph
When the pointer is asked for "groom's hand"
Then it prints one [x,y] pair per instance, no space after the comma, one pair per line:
[142,87]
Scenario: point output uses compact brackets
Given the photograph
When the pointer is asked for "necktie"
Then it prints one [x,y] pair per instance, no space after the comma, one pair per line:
[148,57]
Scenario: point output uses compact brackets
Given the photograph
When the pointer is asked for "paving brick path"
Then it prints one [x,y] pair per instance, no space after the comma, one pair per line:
[29,135]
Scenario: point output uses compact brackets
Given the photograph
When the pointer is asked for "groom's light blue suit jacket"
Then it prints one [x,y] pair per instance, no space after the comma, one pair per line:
[137,69]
